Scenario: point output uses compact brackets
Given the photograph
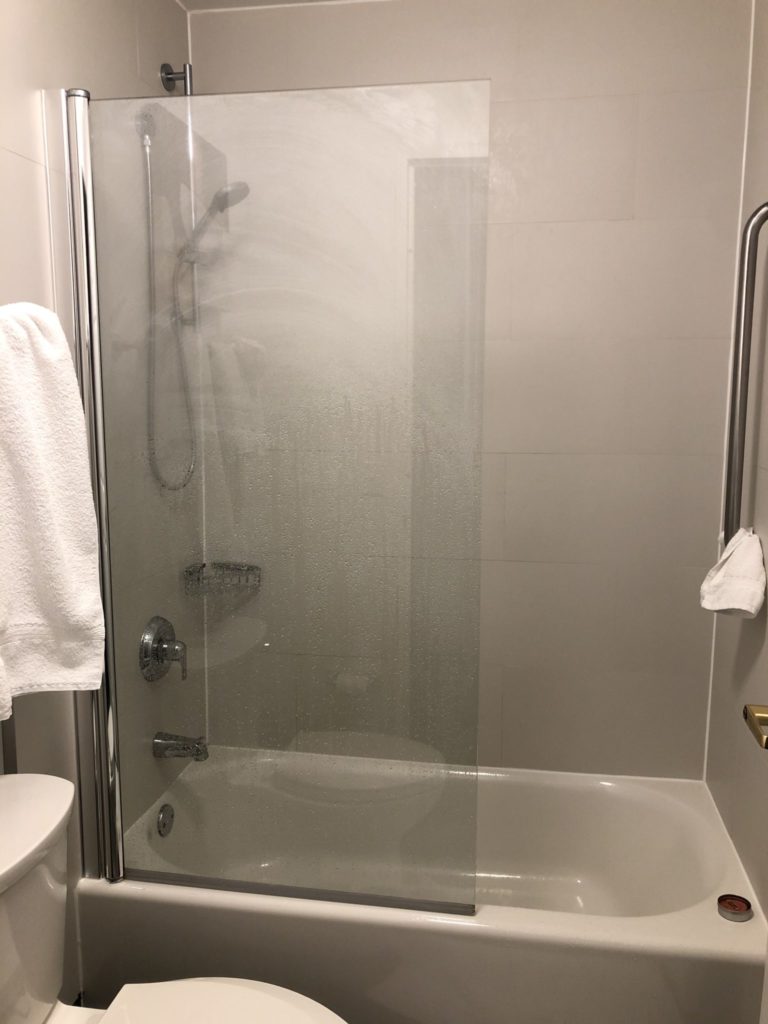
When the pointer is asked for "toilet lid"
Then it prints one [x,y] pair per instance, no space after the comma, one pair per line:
[214,1001]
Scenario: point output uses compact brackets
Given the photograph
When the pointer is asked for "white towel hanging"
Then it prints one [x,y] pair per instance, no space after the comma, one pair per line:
[736,584]
[51,618]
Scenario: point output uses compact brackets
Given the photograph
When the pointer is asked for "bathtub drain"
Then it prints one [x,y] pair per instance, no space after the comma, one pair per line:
[165,818]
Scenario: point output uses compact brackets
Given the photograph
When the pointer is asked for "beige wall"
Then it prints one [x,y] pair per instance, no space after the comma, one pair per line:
[113,48]
[737,769]
[616,136]
[616,144]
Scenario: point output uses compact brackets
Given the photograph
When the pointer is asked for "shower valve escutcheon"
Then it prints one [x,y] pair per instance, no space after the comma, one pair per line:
[159,648]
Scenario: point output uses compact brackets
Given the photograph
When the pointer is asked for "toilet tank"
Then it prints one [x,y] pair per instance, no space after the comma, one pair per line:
[34,811]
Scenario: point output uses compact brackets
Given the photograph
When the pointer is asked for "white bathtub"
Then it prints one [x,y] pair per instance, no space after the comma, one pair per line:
[596,904]
[333,820]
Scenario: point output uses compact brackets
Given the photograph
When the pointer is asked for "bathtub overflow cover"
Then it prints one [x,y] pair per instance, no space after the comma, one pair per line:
[165,818]
[734,908]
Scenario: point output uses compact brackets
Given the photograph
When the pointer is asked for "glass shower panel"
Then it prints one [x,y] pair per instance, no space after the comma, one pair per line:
[319,285]
[156,525]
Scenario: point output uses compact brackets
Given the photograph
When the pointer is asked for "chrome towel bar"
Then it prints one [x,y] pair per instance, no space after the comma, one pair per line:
[739,393]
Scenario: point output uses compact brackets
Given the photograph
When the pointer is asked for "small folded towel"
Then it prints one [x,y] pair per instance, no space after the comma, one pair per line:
[51,618]
[736,584]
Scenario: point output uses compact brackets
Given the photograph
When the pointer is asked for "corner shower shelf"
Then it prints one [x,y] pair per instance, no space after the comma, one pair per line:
[221,577]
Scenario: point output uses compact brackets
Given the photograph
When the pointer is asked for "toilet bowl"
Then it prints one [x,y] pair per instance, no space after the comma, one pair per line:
[34,812]
[200,1001]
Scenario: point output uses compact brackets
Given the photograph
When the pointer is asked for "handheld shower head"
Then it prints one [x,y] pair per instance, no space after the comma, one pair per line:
[229,195]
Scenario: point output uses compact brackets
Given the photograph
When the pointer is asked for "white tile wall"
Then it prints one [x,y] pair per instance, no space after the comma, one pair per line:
[616,145]
[616,135]
[737,769]
[629,278]
[105,46]
[102,45]
[607,48]
[685,148]
[110,47]
[25,262]
[533,141]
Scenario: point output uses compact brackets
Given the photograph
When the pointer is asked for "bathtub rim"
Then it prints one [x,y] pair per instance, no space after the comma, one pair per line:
[697,931]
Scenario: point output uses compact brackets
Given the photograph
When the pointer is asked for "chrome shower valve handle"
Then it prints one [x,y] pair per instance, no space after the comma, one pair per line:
[174,650]
[159,648]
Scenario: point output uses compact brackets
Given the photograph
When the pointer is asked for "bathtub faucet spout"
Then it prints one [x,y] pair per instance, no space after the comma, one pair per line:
[168,744]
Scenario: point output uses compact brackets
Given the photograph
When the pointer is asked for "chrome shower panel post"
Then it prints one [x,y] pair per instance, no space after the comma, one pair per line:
[739,389]
[89,369]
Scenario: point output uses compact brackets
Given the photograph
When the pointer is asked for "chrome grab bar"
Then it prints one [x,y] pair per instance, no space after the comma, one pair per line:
[739,393]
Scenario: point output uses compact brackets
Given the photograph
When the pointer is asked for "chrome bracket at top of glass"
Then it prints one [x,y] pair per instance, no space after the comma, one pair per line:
[169,78]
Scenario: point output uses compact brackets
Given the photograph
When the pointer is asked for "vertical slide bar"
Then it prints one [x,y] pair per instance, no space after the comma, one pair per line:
[89,368]
[739,394]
